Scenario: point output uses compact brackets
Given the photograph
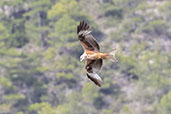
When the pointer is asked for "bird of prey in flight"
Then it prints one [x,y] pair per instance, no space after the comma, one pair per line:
[92,55]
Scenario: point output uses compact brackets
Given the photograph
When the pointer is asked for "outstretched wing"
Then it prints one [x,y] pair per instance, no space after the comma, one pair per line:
[88,42]
[93,66]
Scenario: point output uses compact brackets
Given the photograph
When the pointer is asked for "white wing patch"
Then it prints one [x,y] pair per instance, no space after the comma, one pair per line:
[95,76]
[84,32]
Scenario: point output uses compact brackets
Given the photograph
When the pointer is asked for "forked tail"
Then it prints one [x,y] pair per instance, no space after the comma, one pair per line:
[112,55]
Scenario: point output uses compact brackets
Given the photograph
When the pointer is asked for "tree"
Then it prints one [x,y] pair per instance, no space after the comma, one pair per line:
[165,104]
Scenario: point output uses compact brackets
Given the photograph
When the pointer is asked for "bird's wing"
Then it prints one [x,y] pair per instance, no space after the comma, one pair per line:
[88,42]
[95,78]
[93,66]
[97,65]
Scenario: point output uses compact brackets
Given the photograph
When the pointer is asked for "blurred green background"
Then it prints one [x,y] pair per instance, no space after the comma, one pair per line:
[40,71]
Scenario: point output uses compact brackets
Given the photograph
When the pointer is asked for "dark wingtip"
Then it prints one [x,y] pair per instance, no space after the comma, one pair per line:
[82,26]
[94,80]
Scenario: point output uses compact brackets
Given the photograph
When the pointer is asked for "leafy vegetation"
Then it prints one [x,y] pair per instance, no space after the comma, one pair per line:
[40,71]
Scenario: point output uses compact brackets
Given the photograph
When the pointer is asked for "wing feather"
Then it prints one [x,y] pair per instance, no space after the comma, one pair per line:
[97,65]
[92,66]
[86,38]
[92,42]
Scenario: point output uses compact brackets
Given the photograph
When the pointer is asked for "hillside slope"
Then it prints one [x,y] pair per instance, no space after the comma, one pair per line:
[40,71]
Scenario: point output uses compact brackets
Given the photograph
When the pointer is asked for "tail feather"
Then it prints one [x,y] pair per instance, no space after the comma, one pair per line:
[112,56]
[95,78]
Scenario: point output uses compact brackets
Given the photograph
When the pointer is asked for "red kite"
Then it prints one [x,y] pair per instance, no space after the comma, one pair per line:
[92,55]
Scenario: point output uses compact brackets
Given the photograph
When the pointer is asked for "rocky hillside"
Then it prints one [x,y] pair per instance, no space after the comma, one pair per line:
[40,71]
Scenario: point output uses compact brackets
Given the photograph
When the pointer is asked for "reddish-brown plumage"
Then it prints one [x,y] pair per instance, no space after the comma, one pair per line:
[97,55]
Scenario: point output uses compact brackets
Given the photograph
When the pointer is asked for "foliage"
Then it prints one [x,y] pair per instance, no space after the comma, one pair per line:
[40,71]
[42,108]
[165,105]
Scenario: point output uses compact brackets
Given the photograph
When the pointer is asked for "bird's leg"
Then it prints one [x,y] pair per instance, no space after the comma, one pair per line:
[82,57]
